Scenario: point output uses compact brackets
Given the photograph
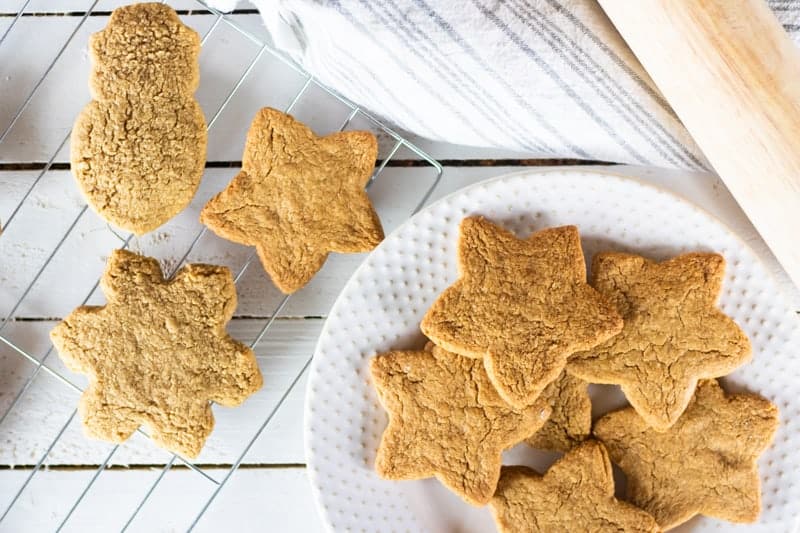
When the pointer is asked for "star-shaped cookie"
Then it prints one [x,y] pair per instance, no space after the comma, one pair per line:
[523,305]
[575,494]
[298,197]
[673,334]
[570,423]
[704,464]
[157,353]
[446,420]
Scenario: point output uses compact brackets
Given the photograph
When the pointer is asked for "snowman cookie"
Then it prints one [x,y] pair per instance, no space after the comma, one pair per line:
[138,148]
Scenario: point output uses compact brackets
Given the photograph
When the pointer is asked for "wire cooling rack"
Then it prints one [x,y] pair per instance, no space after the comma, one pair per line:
[41,363]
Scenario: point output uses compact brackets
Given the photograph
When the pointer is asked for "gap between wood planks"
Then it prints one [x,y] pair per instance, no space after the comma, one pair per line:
[237,317]
[108,13]
[210,466]
[400,163]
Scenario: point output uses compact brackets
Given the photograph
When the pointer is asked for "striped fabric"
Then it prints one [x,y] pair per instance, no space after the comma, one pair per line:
[550,78]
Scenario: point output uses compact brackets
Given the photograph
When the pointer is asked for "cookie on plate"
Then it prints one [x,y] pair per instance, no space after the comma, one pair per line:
[673,336]
[522,305]
[575,494]
[298,197]
[704,464]
[138,148]
[157,353]
[446,420]
[570,422]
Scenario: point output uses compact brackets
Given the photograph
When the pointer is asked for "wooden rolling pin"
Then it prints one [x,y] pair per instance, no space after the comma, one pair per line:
[732,75]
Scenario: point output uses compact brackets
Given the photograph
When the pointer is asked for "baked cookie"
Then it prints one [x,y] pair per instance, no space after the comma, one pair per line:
[298,197]
[570,423]
[157,353]
[446,420]
[138,149]
[145,51]
[140,176]
[673,334]
[704,464]
[576,494]
[523,305]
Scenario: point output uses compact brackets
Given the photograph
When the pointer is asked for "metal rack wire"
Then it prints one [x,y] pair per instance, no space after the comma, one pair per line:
[40,364]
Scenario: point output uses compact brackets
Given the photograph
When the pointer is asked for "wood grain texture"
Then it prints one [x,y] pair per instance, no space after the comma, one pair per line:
[733,76]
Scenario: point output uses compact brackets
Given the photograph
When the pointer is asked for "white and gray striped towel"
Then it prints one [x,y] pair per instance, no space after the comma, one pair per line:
[550,78]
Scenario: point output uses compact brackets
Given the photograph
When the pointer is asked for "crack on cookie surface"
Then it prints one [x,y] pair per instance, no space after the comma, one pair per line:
[522,305]
[157,353]
[704,464]
[673,333]
[445,419]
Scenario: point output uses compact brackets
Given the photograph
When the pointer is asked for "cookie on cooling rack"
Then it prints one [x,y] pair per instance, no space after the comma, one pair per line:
[704,464]
[522,305]
[138,148]
[298,197]
[575,494]
[446,420]
[673,333]
[157,353]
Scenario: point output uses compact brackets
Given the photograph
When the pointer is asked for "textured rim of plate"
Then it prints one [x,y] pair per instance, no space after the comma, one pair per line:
[599,174]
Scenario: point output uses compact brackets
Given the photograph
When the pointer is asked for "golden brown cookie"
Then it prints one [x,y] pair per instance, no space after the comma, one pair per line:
[673,334]
[570,423]
[576,494]
[570,420]
[144,51]
[157,353]
[446,420]
[704,464]
[523,305]
[138,149]
[139,177]
[298,197]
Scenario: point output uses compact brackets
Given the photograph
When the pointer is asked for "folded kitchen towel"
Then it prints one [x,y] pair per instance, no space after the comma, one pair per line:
[550,78]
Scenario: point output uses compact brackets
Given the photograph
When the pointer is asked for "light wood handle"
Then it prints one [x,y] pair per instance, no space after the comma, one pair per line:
[733,77]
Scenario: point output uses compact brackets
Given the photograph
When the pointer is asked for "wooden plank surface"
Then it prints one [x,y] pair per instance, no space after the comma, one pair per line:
[275,499]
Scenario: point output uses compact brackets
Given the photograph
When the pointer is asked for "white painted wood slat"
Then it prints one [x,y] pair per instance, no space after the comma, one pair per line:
[254,501]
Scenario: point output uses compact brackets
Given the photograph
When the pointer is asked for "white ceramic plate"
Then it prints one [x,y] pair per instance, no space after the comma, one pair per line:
[381,306]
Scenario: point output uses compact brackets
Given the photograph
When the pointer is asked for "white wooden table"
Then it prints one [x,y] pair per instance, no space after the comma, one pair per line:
[269,491]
